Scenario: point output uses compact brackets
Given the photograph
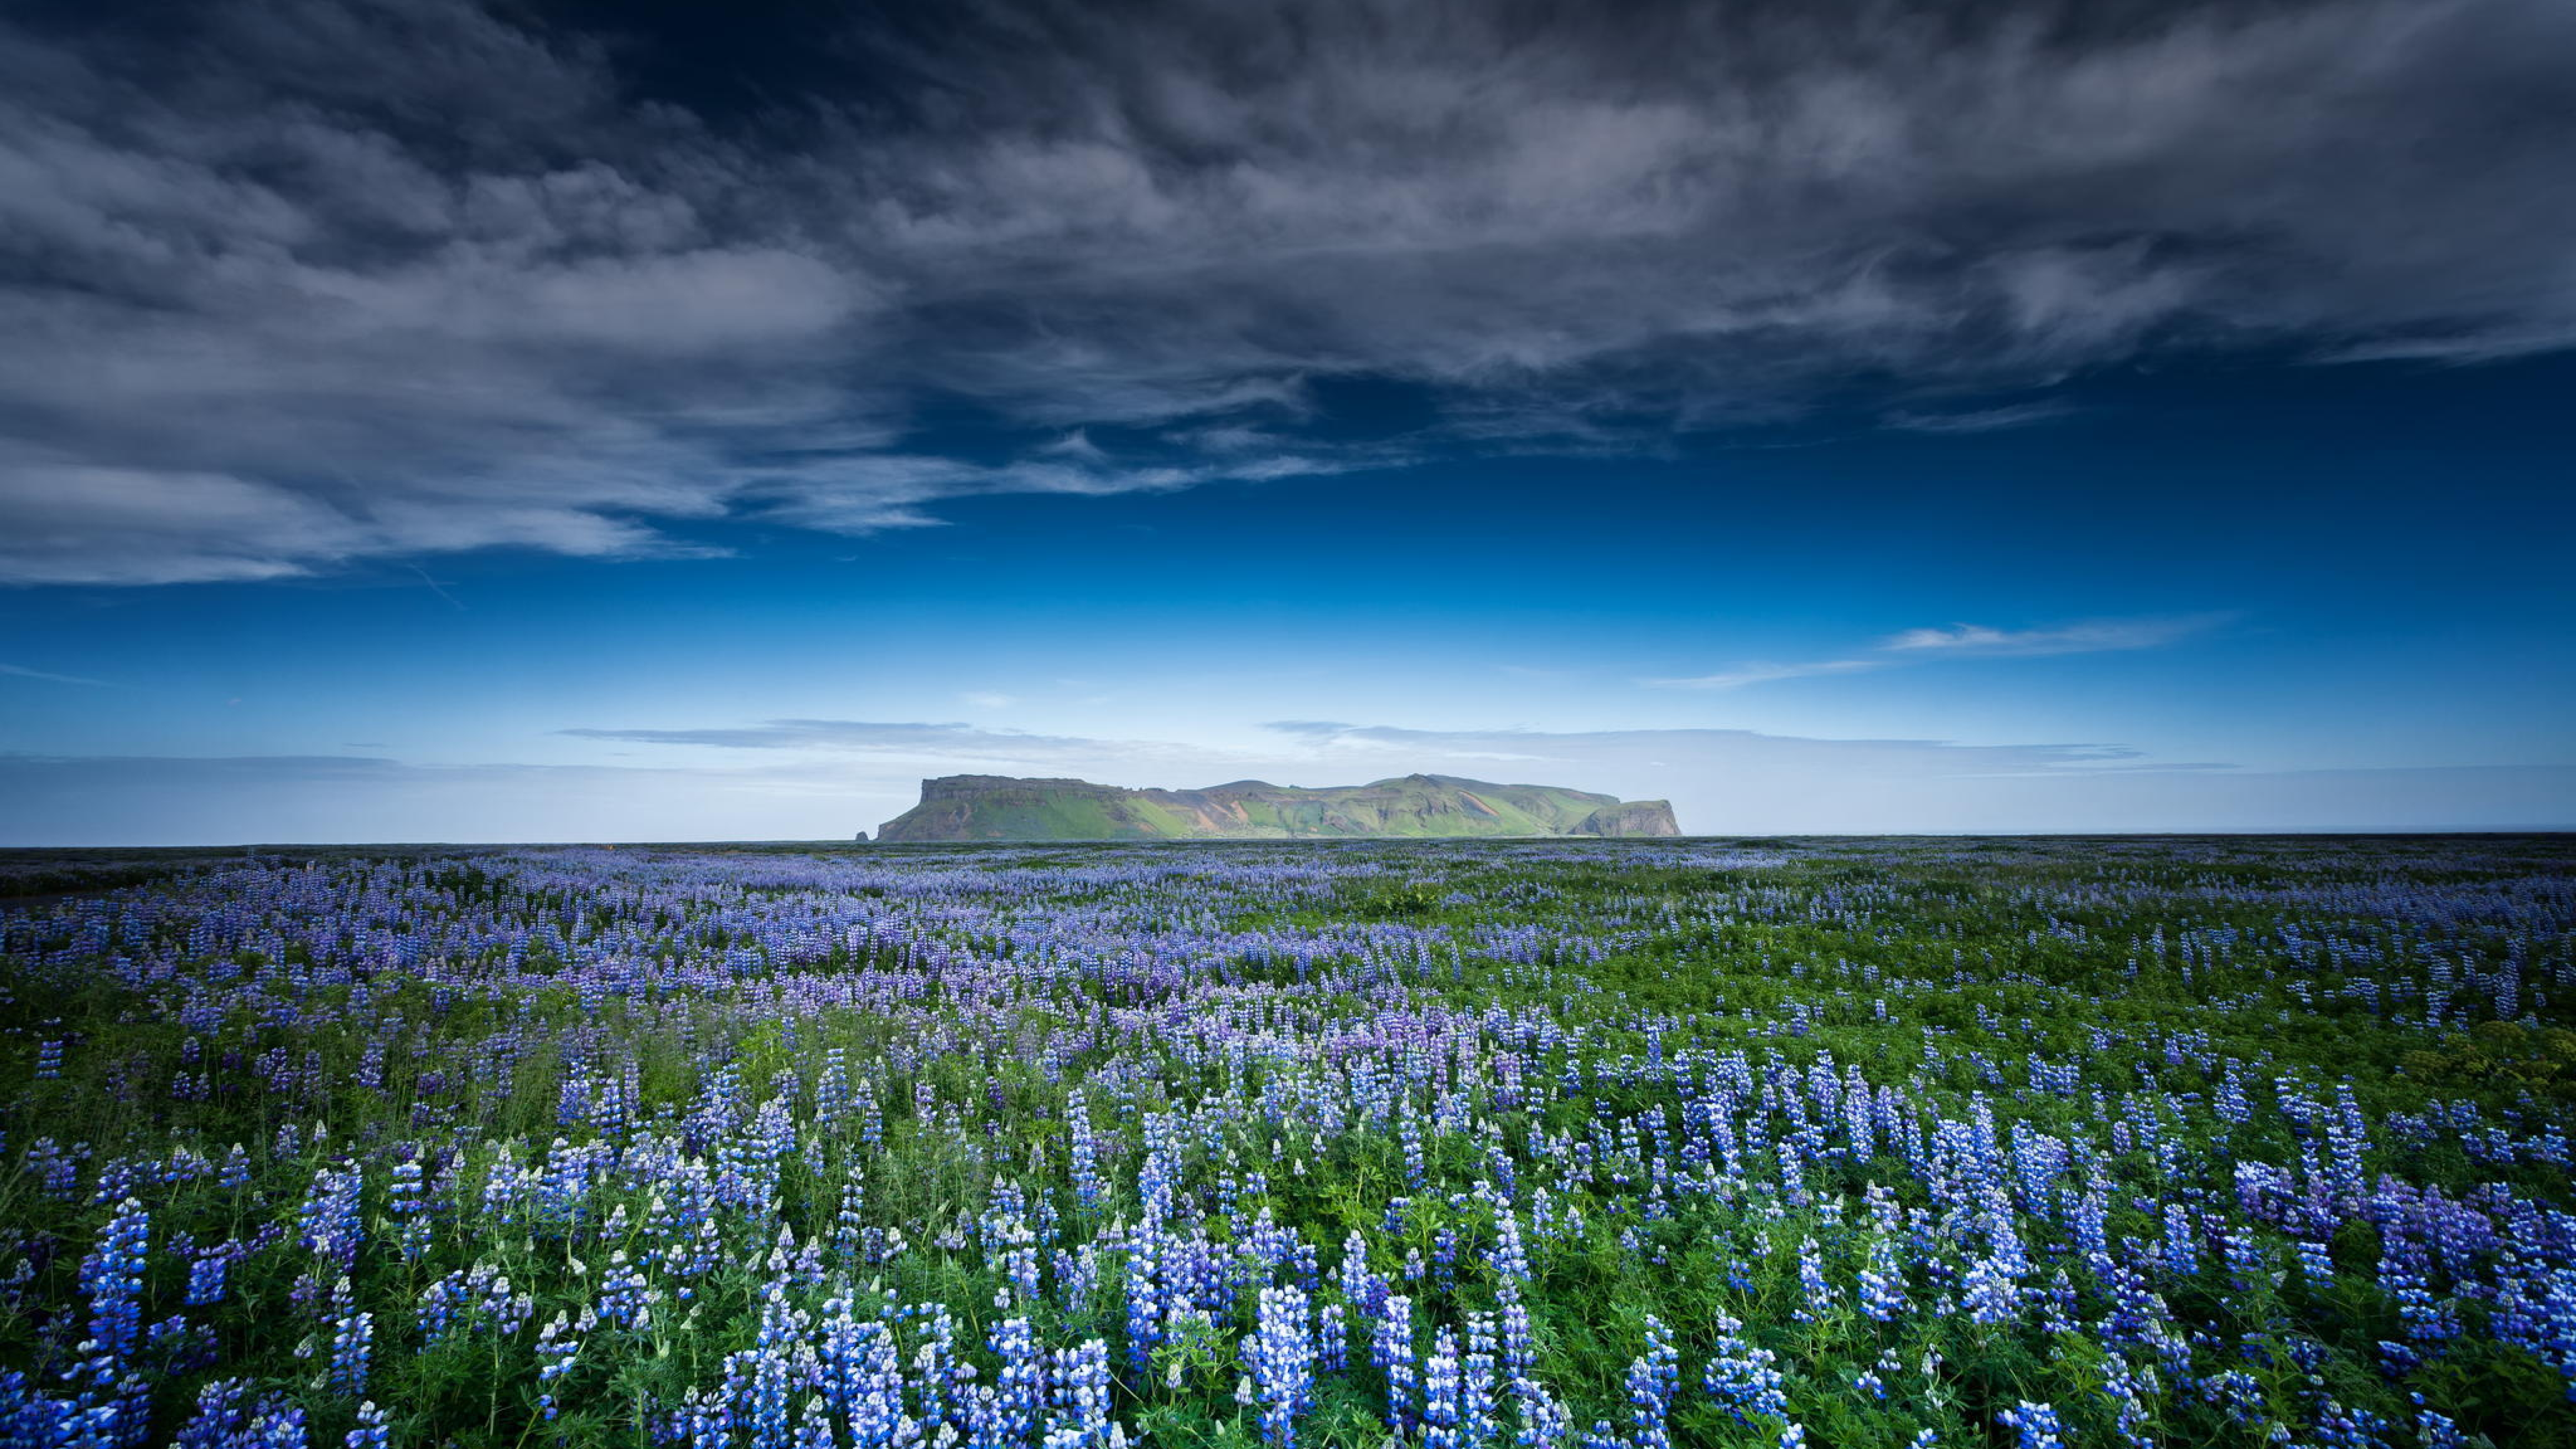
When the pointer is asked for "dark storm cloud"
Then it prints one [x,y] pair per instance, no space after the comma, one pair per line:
[290,283]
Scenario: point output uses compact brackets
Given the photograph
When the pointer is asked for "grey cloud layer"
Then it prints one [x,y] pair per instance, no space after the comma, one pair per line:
[330,279]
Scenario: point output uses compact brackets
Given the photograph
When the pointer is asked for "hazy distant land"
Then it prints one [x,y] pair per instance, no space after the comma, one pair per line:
[999,807]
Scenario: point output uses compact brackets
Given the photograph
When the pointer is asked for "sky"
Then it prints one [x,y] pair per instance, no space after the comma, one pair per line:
[434,421]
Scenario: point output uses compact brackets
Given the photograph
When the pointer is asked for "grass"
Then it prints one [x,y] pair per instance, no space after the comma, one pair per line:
[2211,1142]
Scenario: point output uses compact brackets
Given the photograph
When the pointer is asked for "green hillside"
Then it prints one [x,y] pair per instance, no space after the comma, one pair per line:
[998,807]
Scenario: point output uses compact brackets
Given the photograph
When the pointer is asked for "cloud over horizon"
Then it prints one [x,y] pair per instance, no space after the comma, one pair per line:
[1719,781]
[299,283]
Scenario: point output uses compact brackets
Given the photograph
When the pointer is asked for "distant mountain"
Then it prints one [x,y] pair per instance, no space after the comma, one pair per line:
[998,807]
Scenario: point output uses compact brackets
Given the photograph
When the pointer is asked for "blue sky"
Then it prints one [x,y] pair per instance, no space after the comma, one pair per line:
[621,470]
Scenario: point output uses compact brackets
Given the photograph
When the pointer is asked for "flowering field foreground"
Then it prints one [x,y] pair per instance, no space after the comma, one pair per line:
[2006,1143]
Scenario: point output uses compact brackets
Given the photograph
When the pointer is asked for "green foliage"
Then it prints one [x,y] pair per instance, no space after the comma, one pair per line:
[1517,995]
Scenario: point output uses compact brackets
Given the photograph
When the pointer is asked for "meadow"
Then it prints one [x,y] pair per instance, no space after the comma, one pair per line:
[1606,1145]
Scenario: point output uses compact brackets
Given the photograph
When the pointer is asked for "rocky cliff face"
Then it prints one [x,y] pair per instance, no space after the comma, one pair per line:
[1001,807]
[1631,817]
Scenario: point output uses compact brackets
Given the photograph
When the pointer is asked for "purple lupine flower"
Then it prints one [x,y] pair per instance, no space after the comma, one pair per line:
[2132,1393]
[1391,1354]
[813,1425]
[403,1199]
[2437,1431]
[352,1348]
[1440,1393]
[1652,1379]
[1477,1425]
[1510,1259]
[56,1168]
[1332,1338]
[1145,1303]
[221,1412]
[2179,1250]
[858,1365]
[1813,1292]
[626,1296]
[2035,1426]
[111,1276]
[556,1347]
[328,1218]
[1743,1378]
[2406,1275]
[1882,1282]
[849,1225]
[206,1270]
[1280,1356]
[1084,1151]
[2536,1309]
[1365,1290]
[764,1376]
[226,1417]
[1990,1294]
[436,1309]
[276,1424]
[935,1369]
[1080,1417]
[1019,1389]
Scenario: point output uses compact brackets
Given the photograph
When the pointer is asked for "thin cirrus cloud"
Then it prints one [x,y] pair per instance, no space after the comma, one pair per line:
[842,734]
[2084,638]
[20,671]
[964,747]
[1365,748]
[293,284]
[1970,641]
[1742,675]
[1981,420]
[972,748]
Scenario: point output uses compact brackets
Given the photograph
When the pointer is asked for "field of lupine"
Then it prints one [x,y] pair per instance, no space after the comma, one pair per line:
[1632,1144]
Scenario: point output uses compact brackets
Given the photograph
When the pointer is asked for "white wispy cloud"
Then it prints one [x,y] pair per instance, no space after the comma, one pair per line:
[1962,641]
[1743,675]
[20,671]
[843,734]
[989,699]
[2088,637]
[1981,420]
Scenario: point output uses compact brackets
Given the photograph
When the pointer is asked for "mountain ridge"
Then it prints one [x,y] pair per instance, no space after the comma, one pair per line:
[1005,807]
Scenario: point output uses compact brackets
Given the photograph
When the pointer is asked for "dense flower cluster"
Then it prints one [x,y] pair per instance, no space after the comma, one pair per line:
[1468,1145]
